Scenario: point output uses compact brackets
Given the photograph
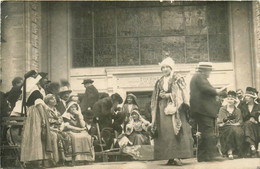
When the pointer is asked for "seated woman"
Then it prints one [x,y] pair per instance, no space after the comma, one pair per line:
[250,109]
[230,129]
[61,141]
[82,144]
[137,129]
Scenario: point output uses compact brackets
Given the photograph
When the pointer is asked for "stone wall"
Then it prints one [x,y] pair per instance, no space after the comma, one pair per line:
[21,23]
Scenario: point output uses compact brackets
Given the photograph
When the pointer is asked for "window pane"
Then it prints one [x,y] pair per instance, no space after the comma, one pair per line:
[105,52]
[173,21]
[175,46]
[127,51]
[149,21]
[82,53]
[195,20]
[196,49]
[127,22]
[151,50]
[105,22]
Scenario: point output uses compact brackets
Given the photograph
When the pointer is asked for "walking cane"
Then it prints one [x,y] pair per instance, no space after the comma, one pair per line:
[197,139]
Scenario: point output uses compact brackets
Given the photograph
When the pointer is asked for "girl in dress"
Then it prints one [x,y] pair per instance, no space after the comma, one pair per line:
[137,129]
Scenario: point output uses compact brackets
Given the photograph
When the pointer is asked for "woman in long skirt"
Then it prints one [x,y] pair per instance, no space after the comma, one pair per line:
[34,146]
[61,141]
[174,140]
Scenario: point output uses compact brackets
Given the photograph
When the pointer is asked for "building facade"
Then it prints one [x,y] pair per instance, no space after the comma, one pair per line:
[119,44]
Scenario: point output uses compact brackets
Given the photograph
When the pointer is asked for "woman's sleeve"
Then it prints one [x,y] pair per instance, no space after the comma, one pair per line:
[239,118]
[154,101]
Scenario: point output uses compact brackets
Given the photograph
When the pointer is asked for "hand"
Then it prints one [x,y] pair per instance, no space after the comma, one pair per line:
[198,134]
[253,120]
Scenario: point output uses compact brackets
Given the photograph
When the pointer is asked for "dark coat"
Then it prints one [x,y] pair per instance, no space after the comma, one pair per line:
[60,106]
[103,110]
[4,106]
[89,99]
[245,112]
[13,95]
[202,97]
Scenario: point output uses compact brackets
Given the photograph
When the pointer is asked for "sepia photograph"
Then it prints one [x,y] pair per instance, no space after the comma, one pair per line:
[157,84]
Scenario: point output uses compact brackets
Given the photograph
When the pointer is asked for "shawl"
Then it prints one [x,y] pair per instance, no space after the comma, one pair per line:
[179,94]
[139,125]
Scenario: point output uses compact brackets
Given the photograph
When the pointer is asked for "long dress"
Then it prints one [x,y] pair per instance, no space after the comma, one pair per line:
[231,136]
[82,143]
[138,128]
[33,147]
[168,145]
[61,141]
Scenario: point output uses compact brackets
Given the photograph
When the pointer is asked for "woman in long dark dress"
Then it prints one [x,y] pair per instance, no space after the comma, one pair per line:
[174,140]
[230,127]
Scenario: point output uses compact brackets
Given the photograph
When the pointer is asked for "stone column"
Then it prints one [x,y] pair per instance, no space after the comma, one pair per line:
[21,32]
[256,63]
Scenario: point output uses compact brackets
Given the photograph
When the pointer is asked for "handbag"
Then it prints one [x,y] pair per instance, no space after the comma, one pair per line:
[171,108]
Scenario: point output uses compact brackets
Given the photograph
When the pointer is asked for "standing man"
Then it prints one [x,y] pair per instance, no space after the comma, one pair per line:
[204,109]
[90,97]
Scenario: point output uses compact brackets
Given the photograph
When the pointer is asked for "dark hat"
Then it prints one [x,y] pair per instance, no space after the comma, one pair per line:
[43,74]
[87,81]
[205,66]
[232,93]
[117,97]
[64,89]
[252,92]
[223,94]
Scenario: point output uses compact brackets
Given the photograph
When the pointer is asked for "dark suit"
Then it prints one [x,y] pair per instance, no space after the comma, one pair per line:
[89,99]
[204,109]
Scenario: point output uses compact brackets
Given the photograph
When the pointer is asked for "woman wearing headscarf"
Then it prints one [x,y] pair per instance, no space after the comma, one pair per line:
[230,121]
[174,140]
[129,105]
[82,143]
[61,141]
[36,138]
[136,129]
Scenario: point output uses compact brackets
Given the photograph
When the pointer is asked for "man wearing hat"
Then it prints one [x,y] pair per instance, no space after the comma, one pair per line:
[204,109]
[250,110]
[91,95]
[64,95]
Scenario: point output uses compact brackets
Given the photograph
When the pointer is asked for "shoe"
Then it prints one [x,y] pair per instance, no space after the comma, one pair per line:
[170,162]
[177,162]
[230,157]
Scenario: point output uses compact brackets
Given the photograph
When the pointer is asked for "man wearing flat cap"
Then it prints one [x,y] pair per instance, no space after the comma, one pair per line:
[250,110]
[90,97]
[204,109]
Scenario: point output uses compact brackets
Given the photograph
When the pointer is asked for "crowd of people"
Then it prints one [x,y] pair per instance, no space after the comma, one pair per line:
[63,128]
